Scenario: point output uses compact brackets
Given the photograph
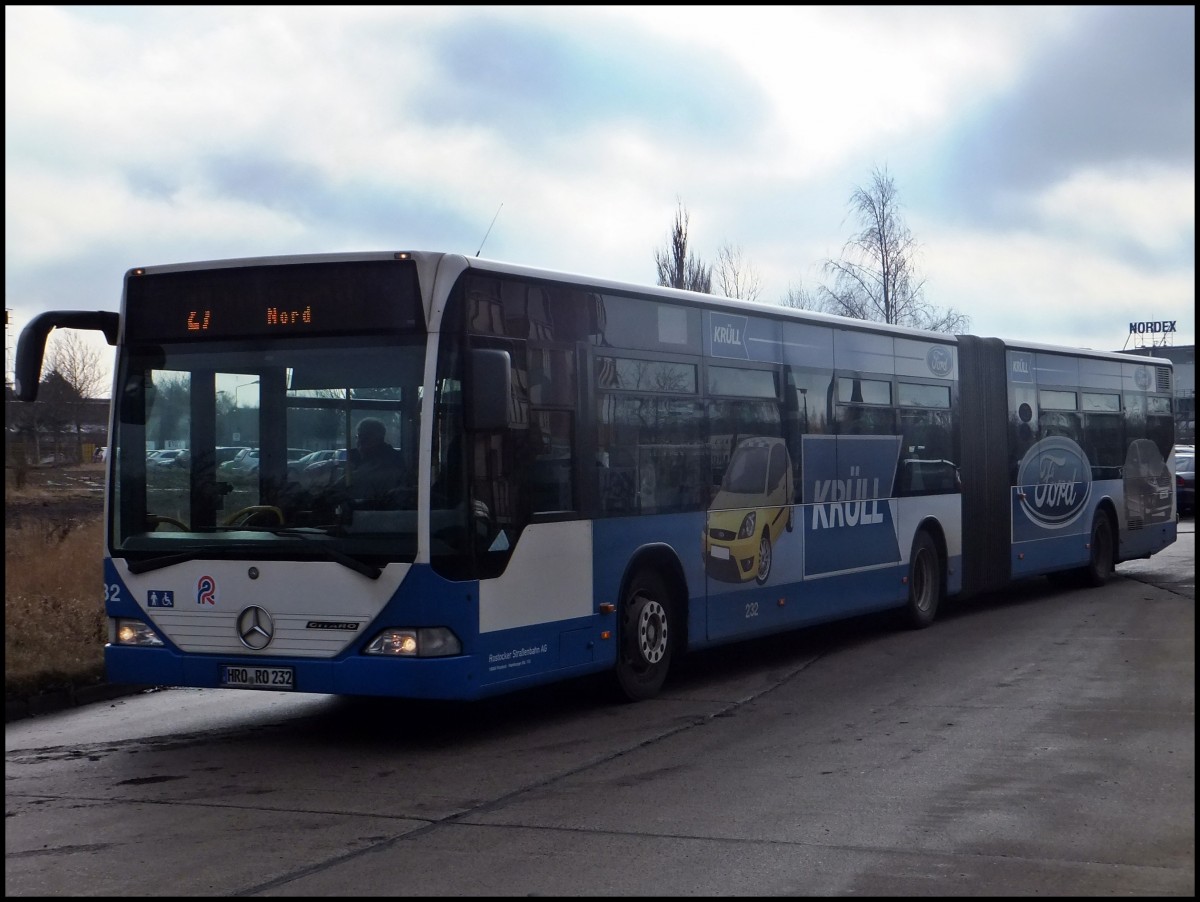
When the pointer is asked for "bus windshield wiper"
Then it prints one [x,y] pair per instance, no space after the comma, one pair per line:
[166,560]
[157,563]
[334,554]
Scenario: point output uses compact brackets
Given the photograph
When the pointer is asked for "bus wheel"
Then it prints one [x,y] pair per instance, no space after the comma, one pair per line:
[924,582]
[1101,564]
[645,641]
[764,558]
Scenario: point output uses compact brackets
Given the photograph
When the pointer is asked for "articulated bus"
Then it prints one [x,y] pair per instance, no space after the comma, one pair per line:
[593,477]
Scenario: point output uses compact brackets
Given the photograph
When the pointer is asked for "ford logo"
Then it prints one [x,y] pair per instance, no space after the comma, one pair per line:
[1056,481]
[940,360]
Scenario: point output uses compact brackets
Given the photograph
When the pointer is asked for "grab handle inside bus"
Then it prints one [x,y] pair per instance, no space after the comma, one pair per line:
[490,390]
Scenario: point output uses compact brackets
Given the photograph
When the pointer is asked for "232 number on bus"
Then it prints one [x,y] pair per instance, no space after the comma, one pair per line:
[236,677]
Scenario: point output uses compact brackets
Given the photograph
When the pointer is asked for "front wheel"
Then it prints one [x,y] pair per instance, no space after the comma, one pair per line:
[924,582]
[645,640]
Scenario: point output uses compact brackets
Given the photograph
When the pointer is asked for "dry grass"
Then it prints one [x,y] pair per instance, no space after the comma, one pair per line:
[54,622]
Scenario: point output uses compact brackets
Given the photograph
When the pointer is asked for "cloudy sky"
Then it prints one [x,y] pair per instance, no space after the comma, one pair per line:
[1044,157]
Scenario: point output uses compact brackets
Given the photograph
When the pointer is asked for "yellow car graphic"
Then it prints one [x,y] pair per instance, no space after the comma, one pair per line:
[750,511]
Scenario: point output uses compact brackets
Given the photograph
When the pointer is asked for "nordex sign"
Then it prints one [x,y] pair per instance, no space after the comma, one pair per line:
[1152,327]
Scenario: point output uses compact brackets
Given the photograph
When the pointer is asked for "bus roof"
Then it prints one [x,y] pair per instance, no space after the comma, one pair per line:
[441,262]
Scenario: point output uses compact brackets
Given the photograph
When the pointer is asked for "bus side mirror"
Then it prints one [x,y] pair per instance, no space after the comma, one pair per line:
[490,380]
[31,346]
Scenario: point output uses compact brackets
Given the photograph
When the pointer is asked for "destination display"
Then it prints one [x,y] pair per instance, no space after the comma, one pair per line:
[301,299]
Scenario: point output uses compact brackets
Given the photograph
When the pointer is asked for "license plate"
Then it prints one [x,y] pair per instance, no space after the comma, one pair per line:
[234,676]
[720,552]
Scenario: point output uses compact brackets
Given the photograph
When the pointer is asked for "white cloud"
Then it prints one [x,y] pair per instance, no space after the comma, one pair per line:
[1024,285]
[1153,207]
[164,134]
[843,78]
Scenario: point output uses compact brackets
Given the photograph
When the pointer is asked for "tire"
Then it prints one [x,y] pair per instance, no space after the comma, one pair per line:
[1103,554]
[646,638]
[924,582]
[764,558]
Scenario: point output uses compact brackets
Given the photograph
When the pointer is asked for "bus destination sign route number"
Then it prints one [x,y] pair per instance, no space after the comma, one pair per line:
[237,677]
[314,299]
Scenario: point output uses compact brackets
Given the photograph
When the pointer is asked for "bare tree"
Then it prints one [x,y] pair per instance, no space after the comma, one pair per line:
[876,278]
[73,372]
[738,278]
[58,412]
[24,424]
[169,418]
[79,365]
[800,298]
[677,267]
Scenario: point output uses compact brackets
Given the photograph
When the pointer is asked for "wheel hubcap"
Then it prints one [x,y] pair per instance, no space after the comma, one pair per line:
[652,632]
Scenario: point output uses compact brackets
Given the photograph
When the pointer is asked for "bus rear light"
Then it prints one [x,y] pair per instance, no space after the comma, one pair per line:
[127,631]
[423,642]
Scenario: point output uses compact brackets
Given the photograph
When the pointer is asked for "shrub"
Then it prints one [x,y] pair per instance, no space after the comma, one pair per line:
[54,621]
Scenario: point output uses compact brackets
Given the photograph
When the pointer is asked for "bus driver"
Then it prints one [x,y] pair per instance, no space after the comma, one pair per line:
[375,470]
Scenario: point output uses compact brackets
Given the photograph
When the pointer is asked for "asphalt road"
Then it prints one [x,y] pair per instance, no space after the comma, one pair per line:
[1034,742]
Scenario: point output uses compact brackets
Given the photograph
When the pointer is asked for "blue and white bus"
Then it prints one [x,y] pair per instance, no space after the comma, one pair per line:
[597,476]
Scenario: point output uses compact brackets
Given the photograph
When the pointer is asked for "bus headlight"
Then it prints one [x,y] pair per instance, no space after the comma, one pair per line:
[127,631]
[423,642]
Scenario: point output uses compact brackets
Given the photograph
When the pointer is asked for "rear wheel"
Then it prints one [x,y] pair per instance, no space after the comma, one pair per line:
[646,640]
[1103,553]
[924,582]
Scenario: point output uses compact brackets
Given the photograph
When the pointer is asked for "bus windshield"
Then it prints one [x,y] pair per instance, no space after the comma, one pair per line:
[230,449]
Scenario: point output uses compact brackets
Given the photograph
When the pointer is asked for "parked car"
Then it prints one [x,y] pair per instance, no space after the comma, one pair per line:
[313,456]
[170,457]
[247,464]
[323,473]
[298,466]
[227,453]
[225,468]
[1185,482]
[244,464]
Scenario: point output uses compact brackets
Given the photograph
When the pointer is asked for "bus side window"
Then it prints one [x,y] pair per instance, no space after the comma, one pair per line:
[552,464]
